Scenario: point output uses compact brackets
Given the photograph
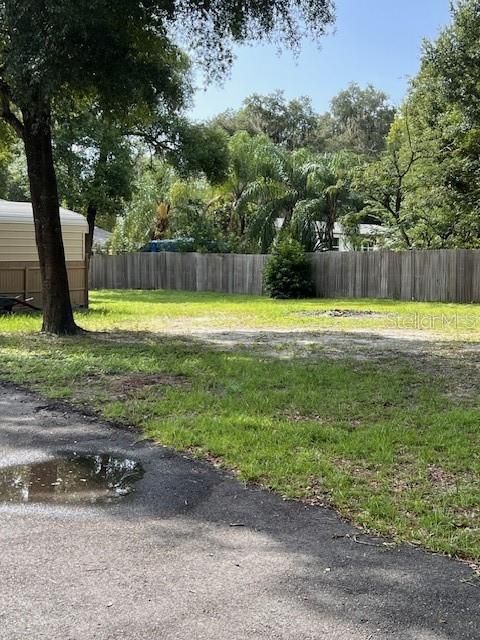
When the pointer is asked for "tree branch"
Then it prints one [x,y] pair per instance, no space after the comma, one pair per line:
[6,110]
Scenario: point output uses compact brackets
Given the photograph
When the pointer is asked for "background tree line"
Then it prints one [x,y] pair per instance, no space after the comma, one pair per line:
[229,180]
[413,169]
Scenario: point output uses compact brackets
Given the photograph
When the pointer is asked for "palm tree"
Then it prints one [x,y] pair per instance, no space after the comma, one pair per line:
[276,194]
[301,194]
[249,159]
[332,173]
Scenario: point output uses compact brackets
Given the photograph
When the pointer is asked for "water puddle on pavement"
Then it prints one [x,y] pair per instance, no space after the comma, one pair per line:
[71,478]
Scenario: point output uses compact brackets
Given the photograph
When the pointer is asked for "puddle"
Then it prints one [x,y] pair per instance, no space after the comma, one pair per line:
[70,478]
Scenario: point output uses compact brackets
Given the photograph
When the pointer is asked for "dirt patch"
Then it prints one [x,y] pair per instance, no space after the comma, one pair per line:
[442,479]
[455,363]
[107,388]
[467,519]
[401,484]
[316,494]
[341,313]
[126,384]
[296,416]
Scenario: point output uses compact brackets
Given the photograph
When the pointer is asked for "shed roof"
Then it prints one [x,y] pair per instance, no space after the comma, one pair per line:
[22,212]
[101,236]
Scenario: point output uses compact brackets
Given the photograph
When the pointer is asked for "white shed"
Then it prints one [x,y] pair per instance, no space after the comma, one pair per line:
[19,266]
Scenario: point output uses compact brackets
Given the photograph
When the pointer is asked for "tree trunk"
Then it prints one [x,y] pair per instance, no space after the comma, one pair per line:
[91,218]
[330,224]
[92,208]
[398,213]
[57,308]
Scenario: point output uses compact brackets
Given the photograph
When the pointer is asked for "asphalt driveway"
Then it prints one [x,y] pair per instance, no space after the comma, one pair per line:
[193,554]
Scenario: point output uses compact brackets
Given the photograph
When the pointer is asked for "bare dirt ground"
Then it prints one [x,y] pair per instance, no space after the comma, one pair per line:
[455,360]
[359,344]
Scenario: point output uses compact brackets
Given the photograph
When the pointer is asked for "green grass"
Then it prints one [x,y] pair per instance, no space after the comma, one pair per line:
[387,443]
[149,311]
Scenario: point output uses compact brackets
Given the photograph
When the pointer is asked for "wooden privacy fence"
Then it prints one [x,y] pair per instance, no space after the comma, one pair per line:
[439,275]
[226,272]
[23,279]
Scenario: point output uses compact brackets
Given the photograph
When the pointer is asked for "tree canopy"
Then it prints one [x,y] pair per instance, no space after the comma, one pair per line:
[292,124]
[359,120]
[426,185]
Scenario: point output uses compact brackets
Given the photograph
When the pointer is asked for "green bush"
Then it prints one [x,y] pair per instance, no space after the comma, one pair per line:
[287,273]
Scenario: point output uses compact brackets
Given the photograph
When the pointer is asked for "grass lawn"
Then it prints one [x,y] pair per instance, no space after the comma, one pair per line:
[385,440]
[170,310]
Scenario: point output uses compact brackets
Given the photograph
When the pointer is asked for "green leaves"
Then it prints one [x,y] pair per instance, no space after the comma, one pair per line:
[95,47]
[151,187]
[425,186]
[287,273]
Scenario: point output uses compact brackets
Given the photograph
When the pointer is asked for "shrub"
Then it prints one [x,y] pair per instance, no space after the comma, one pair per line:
[287,273]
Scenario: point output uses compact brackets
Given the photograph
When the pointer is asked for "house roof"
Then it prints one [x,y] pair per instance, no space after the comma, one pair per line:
[22,212]
[100,237]
[372,229]
[363,229]
[338,230]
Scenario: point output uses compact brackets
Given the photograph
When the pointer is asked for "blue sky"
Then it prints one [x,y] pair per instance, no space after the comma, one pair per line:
[375,41]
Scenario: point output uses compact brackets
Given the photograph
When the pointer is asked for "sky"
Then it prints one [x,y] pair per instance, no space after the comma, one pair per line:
[374,41]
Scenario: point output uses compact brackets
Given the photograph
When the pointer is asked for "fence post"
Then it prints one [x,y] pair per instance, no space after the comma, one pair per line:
[25,283]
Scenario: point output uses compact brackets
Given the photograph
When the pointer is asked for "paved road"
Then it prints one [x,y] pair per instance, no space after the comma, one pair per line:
[166,562]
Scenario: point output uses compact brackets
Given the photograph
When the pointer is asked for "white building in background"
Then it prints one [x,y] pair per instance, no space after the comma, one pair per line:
[367,239]
[101,238]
